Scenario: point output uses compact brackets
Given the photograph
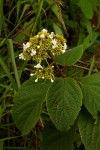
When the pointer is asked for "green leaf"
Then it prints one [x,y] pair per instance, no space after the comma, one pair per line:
[28,104]
[89,131]
[86,8]
[73,2]
[7,71]
[89,40]
[1,15]
[56,139]
[1,145]
[91,93]
[57,29]
[71,56]
[1,112]
[64,99]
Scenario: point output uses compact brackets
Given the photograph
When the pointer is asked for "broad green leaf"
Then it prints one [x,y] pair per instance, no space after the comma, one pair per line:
[91,93]
[86,8]
[71,56]
[89,131]
[54,139]
[28,104]
[64,99]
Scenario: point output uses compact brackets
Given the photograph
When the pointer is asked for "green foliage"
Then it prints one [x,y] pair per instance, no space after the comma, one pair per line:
[27,105]
[1,15]
[86,8]
[90,131]
[71,56]
[91,95]
[71,99]
[64,100]
[56,139]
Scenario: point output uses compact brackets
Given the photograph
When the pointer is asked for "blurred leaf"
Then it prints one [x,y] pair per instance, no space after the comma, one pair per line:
[20,37]
[89,131]
[1,111]
[11,52]
[81,38]
[54,139]
[89,40]
[64,99]
[88,26]
[86,8]
[71,56]
[6,70]
[1,15]
[57,29]
[26,6]
[74,1]
[28,104]
[1,145]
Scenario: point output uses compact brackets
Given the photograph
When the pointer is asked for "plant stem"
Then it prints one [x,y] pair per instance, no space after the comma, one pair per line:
[57,66]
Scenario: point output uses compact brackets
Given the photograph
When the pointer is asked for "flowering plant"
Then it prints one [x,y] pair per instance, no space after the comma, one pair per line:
[47,51]
[40,48]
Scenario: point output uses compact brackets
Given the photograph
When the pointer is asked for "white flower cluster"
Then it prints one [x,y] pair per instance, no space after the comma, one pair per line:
[38,48]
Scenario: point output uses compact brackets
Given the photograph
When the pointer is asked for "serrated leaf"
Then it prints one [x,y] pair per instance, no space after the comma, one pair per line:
[64,99]
[89,131]
[54,139]
[71,56]
[28,103]
[91,93]
[86,8]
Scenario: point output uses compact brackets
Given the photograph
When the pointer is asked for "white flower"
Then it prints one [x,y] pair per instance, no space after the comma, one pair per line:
[33,52]
[42,36]
[51,35]
[21,56]
[37,36]
[54,42]
[65,46]
[52,80]
[32,74]
[44,30]
[38,66]
[63,51]
[38,46]
[36,80]
[25,46]
[54,46]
